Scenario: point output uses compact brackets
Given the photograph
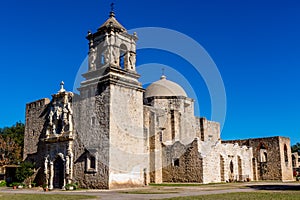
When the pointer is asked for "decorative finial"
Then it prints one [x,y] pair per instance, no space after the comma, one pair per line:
[62,89]
[163,74]
[112,8]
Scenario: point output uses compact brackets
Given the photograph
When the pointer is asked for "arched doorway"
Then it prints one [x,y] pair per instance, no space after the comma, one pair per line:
[58,179]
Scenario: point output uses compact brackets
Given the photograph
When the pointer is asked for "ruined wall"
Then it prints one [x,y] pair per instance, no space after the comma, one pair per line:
[34,125]
[182,163]
[34,131]
[209,130]
[286,159]
[269,155]
[225,163]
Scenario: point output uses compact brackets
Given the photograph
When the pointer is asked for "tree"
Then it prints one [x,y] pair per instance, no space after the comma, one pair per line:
[296,148]
[24,171]
[11,144]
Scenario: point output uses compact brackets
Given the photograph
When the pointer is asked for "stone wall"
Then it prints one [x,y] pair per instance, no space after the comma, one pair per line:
[153,146]
[286,159]
[34,130]
[229,162]
[91,115]
[209,130]
[34,125]
[128,159]
[269,155]
[182,163]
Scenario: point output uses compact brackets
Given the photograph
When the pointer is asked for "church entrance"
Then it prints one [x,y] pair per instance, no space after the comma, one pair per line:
[58,179]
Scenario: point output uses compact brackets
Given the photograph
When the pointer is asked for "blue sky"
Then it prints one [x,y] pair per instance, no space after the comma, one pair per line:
[255,45]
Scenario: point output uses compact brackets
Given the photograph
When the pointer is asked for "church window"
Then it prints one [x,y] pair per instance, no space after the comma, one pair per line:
[93,121]
[102,59]
[59,126]
[176,162]
[123,52]
[91,162]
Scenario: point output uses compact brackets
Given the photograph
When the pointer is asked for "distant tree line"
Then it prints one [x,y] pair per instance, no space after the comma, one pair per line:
[296,148]
[11,144]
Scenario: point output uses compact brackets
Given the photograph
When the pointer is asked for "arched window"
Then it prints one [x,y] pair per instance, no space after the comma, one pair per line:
[123,56]
[231,167]
[102,59]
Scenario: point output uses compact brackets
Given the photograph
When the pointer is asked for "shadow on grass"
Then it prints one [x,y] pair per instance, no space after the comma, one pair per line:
[275,187]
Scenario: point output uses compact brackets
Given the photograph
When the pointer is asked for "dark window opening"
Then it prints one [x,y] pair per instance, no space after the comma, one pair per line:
[59,126]
[123,52]
[176,162]
[93,162]
[93,121]
[231,167]
[266,156]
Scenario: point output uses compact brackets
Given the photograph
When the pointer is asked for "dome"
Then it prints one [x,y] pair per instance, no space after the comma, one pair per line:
[164,87]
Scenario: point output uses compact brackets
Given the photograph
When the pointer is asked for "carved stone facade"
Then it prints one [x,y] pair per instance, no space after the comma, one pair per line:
[116,134]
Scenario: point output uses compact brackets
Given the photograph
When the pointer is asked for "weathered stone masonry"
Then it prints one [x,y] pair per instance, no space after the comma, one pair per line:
[115,134]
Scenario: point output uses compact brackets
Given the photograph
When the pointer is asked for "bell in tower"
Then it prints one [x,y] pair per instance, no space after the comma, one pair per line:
[109,117]
[112,46]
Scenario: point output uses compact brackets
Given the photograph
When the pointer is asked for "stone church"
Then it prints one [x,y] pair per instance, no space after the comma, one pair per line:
[115,133]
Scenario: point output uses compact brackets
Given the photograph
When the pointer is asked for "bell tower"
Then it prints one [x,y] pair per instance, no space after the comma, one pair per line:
[110,121]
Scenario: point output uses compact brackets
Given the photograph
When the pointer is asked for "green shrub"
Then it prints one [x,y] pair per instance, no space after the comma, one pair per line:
[69,185]
[2,183]
[24,171]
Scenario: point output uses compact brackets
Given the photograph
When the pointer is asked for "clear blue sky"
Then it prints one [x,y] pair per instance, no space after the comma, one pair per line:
[255,45]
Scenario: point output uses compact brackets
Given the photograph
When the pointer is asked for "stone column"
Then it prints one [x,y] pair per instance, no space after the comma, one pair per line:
[51,176]
[71,166]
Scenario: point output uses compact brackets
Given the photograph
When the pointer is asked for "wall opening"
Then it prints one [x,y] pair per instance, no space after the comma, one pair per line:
[222,170]
[286,158]
[123,52]
[263,153]
[172,125]
[58,179]
[240,169]
[176,162]
[231,167]
[294,161]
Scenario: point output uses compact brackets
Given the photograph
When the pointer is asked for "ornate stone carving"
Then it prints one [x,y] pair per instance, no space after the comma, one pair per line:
[60,117]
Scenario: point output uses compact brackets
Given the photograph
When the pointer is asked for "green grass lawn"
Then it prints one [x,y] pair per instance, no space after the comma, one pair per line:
[244,195]
[7,196]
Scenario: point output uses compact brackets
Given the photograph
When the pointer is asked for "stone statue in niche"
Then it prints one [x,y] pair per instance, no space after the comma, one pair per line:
[106,56]
[132,60]
[60,117]
[92,59]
